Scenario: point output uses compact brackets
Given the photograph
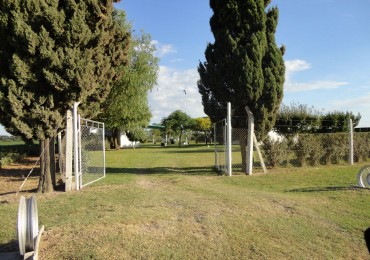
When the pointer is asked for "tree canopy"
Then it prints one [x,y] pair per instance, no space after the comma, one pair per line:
[176,123]
[202,125]
[126,107]
[298,118]
[54,53]
[243,66]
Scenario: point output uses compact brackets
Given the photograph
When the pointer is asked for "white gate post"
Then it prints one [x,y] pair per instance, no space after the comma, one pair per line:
[69,148]
[250,141]
[75,145]
[215,146]
[350,128]
[228,134]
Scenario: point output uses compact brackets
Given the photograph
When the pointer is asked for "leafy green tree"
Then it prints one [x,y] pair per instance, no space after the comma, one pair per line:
[176,123]
[203,125]
[126,107]
[243,66]
[337,121]
[297,118]
[54,53]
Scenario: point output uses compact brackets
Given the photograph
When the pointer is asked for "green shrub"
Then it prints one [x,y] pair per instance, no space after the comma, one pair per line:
[361,147]
[274,151]
[307,147]
[335,148]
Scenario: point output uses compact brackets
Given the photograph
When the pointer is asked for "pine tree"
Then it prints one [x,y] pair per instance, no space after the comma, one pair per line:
[54,53]
[243,66]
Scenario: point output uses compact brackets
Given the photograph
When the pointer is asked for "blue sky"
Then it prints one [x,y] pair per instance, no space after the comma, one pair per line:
[327,58]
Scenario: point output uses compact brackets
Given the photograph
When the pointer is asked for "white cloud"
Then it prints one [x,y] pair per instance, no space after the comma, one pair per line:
[360,102]
[163,49]
[294,66]
[313,85]
[169,94]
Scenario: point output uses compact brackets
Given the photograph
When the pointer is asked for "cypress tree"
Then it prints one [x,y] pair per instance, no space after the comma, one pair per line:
[243,66]
[52,54]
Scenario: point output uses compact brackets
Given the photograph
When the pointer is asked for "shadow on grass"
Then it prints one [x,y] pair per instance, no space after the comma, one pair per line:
[164,170]
[367,238]
[321,189]
[11,246]
[184,151]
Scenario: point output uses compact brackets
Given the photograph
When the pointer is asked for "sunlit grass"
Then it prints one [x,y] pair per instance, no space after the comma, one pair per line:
[167,202]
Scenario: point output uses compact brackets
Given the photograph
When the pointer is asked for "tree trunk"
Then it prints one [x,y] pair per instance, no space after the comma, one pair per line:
[180,136]
[115,137]
[243,148]
[46,170]
[52,162]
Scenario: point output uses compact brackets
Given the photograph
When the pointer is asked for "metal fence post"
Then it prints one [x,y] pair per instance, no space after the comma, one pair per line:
[229,150]
[250,141]
[350,128]
[75,144]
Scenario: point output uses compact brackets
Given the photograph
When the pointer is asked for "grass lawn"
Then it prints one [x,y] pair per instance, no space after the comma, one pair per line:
[167,203]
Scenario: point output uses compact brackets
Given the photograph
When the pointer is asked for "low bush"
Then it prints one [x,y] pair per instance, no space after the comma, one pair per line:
[274,151]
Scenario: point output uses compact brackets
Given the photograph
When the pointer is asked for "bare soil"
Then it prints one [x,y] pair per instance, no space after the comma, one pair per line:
[13,176]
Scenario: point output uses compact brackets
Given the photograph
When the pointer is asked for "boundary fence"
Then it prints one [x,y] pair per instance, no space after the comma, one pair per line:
[298,150]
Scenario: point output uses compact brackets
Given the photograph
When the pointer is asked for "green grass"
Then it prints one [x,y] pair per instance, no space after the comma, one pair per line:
[167,203]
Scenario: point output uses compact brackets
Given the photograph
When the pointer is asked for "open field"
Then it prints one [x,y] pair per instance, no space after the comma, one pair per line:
[167,203]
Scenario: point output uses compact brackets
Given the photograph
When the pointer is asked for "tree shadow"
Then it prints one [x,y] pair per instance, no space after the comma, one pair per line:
[14,192]
[321,189]
[367,239]
[11,246]
[185,151]
[164,170]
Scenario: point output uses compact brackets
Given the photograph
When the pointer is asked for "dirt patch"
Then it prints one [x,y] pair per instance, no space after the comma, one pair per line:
[12,177]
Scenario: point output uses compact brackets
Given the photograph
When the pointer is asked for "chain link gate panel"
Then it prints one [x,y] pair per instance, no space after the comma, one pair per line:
[92,151]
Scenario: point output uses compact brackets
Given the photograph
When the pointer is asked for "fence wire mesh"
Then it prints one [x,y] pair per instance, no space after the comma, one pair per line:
[220,145]
[302,150]
[92,149]
[298,150]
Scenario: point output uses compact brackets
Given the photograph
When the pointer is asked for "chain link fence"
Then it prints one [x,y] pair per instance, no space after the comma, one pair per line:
[303,150]
[219,133]
[299,150]
[92,151]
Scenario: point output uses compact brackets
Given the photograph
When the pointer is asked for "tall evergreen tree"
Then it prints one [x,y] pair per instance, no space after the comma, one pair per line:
[126,107]
[52,54]
[243,66]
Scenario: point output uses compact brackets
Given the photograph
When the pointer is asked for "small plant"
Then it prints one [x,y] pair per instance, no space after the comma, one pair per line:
[275,151]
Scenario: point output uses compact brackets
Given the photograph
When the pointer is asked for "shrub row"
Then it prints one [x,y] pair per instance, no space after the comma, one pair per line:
[315,149]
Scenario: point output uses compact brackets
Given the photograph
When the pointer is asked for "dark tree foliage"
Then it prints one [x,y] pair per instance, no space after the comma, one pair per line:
[243,66]
[52,54]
